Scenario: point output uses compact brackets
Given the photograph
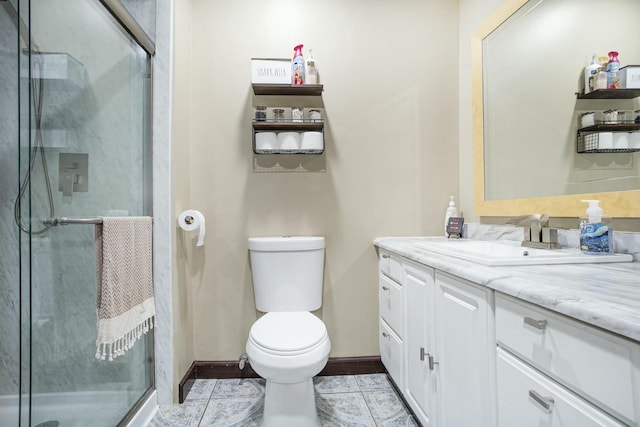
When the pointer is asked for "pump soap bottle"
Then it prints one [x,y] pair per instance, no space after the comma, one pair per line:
[451,211]
[596,236]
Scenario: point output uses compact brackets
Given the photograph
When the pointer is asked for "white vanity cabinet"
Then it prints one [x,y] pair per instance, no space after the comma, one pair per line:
[391,302]
[465,352]
[526,398]
[421,383]
[443,326]
[562,372]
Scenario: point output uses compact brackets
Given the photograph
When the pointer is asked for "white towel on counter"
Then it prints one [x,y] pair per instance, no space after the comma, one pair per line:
[125,302]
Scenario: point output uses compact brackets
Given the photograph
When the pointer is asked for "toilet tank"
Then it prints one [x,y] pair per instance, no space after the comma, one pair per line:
[287,272]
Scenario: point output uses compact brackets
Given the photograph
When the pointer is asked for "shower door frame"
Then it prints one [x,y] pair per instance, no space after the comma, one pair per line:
[130,25]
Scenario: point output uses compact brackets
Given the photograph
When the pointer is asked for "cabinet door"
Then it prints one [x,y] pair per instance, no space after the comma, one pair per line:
[392,354]
[391,300]
[465,353]
[420,384]
[526,398]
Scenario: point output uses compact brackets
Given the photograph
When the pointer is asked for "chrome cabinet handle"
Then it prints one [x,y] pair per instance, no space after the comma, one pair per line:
[431,362]
[422,354]
[385,288]
[538,324]
[386,335]
[545,402]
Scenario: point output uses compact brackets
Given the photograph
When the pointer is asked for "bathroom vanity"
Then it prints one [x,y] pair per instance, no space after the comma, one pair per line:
[474,345]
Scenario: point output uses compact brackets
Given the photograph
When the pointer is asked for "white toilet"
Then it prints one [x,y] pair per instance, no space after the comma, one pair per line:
[288,345]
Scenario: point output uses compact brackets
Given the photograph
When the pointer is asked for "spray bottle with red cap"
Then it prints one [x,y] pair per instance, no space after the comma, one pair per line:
[297,74]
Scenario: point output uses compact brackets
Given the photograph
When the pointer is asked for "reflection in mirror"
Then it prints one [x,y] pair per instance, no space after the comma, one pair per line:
[532,65]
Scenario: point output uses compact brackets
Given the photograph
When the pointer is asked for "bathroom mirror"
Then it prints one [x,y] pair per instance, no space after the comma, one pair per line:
[528,61]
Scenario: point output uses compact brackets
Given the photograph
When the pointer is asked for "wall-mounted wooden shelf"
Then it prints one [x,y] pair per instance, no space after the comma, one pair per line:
[610,94]
[285,89]
[305,126]
[588,138]
[611,127]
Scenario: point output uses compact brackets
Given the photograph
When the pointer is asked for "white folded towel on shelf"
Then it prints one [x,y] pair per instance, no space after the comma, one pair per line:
[124,275]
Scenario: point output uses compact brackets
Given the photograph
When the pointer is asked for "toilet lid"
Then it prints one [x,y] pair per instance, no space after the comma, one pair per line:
[288,331]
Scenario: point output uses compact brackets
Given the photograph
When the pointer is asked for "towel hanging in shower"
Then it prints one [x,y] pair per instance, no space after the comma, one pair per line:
[125,301]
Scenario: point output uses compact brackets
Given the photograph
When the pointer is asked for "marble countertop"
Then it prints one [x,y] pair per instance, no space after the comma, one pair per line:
[603,295]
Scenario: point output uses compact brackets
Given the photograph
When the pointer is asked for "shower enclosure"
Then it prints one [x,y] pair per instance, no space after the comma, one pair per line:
[75,142]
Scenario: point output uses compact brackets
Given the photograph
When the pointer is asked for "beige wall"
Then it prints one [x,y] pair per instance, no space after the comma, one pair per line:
[390,70]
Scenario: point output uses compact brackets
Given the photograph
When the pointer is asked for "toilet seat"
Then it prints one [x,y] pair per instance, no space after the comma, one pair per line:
[288,333]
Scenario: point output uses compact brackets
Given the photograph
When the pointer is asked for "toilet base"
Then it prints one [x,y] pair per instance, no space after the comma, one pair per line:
[290,405]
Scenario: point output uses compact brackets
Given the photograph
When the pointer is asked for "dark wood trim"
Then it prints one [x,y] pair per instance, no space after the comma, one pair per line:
[287,89]
[187,382]
[353,366]
[202,369]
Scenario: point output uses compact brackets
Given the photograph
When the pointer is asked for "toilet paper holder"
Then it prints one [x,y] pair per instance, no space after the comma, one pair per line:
[192,220]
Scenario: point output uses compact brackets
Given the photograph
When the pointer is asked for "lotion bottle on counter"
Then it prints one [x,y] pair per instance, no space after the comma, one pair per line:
[596,236]
[451,211]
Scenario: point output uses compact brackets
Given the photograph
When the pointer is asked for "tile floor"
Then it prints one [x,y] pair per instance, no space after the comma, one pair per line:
[347,400]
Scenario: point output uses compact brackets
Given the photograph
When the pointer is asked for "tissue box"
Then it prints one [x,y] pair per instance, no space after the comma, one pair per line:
[629,77]
[271,71]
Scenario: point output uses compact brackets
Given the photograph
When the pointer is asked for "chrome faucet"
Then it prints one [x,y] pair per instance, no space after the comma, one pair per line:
[537,233]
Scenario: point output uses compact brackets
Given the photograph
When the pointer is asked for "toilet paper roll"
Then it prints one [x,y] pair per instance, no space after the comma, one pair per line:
[289,140]
[190,220]
[266,141]
[620,140]
[605,140]
[312,141]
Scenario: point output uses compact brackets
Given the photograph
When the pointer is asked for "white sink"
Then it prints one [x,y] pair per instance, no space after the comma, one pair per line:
[506,252]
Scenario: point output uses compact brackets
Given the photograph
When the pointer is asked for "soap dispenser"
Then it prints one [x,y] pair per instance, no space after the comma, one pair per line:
[596,236]
[451,211]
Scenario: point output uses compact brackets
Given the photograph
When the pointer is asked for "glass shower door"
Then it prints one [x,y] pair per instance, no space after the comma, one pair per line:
[14,246]
[86,153]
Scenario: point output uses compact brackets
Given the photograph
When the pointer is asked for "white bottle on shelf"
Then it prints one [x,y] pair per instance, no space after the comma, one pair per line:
[312,71]
[590,74]
[451,211]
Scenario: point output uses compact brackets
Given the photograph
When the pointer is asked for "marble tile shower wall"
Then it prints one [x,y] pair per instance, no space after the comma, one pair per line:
[144,11]
[9,259]
[84,114]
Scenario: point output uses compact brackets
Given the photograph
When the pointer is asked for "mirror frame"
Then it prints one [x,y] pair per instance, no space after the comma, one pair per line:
[620,204]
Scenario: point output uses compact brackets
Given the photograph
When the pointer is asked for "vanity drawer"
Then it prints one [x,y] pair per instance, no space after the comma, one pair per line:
[600,366]
[526,398]
[391,304]
[391,266]
[391,354]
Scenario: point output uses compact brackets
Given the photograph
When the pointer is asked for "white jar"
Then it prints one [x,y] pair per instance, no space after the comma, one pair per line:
[315,115]
[297,114]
